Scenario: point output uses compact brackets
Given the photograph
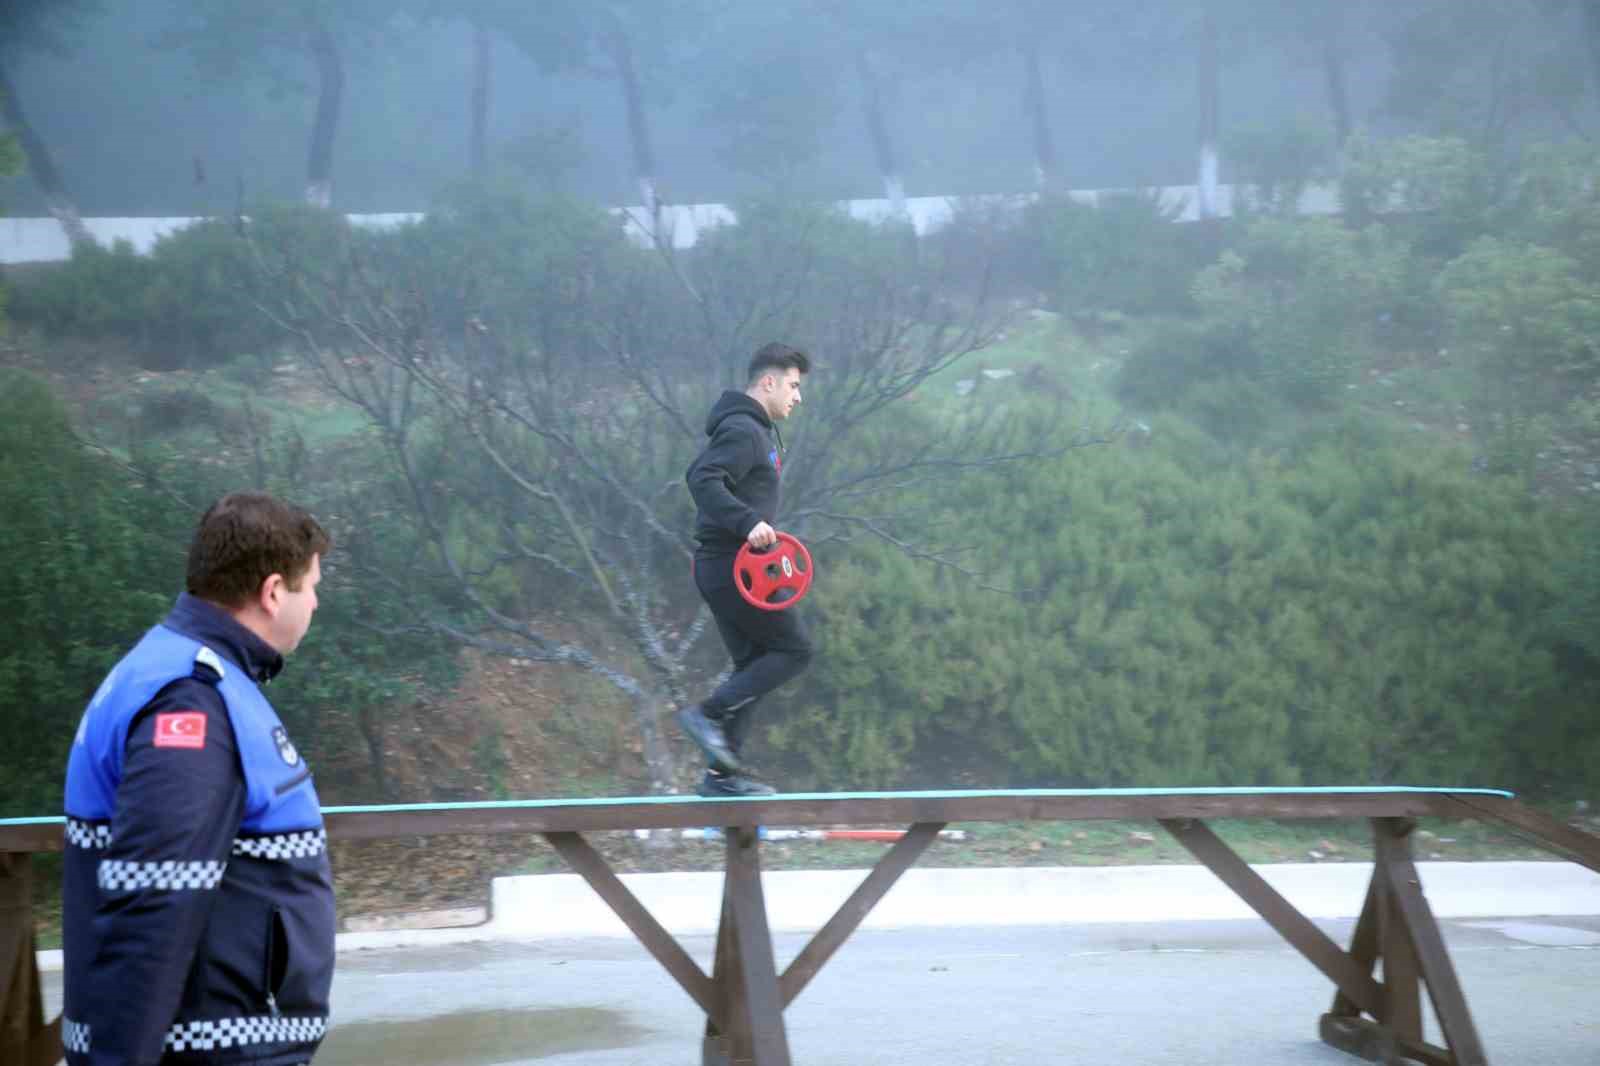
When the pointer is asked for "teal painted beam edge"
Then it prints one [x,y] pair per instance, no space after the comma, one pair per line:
[1036,793]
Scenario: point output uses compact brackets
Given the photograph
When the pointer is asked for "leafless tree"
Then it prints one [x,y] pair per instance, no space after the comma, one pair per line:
[543,442]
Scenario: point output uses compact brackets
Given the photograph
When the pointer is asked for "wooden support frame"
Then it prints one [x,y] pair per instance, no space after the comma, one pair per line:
[593,868]
[855,909]
[744,997]
[1573,844]
[1344,971]
[25,1038]
[756,1025]
[1396,926]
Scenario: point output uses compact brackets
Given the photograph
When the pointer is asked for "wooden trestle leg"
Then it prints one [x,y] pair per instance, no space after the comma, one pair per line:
[727,1048]
[24,1037]
[1397,927]
[1381,1021]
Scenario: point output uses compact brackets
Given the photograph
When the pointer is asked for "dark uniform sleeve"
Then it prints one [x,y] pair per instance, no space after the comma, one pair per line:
[724,463]
[178,809]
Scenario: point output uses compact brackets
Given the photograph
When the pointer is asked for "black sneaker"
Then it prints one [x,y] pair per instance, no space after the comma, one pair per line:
[714,784]
[708,733]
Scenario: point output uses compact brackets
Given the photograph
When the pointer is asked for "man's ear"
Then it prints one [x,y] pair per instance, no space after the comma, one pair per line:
[269,597]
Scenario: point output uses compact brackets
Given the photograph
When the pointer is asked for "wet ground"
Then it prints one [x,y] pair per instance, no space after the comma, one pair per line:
[1175,993]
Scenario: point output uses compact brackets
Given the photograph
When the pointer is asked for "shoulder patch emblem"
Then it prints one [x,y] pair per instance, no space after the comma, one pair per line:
[180,729]
[286,749]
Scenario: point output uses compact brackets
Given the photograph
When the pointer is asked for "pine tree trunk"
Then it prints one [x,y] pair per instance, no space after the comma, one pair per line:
[1338,94]
[659,760]
[1332,31]
[482,70]
[644,161]
[1591,33]
[1210,94]
[1044,149]
[883,148]
[330,97]
[41,166]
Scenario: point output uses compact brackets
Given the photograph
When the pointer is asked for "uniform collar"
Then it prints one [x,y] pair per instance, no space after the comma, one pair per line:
[214,627]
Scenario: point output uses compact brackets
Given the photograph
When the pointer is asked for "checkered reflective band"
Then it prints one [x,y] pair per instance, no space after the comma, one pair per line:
[237,1032]
[301,845]
[116,875]
[74,1036]
[94,836]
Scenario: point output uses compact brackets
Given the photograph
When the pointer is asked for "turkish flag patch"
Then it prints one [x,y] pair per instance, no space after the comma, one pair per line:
[181,729]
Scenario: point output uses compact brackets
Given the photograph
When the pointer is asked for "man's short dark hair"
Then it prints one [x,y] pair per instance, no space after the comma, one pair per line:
[245,538]
[780,357]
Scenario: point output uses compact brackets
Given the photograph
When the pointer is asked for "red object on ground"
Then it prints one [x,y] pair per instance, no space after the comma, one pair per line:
[774,578]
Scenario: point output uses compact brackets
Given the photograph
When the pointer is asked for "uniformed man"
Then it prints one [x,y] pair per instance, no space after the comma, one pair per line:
[198,915]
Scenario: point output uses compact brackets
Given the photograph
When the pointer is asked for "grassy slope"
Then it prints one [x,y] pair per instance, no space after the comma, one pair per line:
[200,409]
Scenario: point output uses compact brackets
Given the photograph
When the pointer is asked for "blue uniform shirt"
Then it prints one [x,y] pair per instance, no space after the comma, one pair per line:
[198,910]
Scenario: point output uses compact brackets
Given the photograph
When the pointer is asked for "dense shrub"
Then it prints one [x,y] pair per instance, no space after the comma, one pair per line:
[1358,611]
[1123,253]
[510,261]
[1272,165]
[96,294]
[1438,193]
[1555,203]
[1308,296]
[196,300]
[1527,318]
[86,561]
[1286,317]
[1177,356]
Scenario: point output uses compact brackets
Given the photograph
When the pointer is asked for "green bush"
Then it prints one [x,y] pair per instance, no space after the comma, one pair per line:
[1122,254]
[216,285]
[10,163]
[196,300]
[97,294]
[1358,611]
[81,546]
[1527,318]
[1274,164]
[1555,203]
[532,267]
[96,558]
[1438,193]
[1576,618]
[370,648]
[1308,295]
[1287,315]
[1180,355]
[811,273]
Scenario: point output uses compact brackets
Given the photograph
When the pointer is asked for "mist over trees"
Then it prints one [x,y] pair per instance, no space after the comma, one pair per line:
[372,105]
[1099,497]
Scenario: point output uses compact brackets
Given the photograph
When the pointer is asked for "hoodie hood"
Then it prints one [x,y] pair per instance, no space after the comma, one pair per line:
[735,403]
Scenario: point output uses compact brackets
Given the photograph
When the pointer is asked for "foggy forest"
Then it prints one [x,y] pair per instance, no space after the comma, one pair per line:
[1205,393]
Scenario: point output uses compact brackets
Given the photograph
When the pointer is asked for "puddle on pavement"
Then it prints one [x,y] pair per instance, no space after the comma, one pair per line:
[478,1038]
[1550,936]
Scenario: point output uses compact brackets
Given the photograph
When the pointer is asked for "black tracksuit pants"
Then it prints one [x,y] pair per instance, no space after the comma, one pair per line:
[767,647]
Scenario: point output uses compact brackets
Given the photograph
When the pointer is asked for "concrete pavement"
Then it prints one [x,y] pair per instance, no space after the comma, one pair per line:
[1214,993]
[559,906]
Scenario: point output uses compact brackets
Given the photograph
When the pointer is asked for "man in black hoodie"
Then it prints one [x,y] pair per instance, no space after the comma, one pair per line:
[735,482]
